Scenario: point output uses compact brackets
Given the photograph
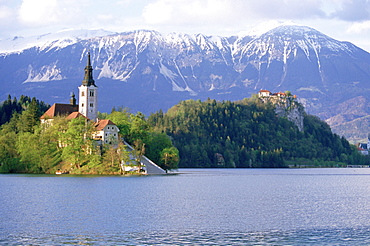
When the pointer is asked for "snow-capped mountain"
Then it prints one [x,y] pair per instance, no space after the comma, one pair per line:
[59,39]
[147,71]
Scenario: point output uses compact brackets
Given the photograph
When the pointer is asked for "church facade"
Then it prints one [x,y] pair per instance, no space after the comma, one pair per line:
[87,107]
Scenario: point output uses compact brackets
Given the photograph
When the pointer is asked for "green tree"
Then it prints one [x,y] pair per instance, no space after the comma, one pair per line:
[169,158]
[138,152]
[139,128]
[77,143]
[30,118]
[122,120]
[156,143]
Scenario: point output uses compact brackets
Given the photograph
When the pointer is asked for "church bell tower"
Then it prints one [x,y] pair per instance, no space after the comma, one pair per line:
[88,94]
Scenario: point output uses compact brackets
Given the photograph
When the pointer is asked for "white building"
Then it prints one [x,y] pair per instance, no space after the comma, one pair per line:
[264,93]
[88,94]
[106,132]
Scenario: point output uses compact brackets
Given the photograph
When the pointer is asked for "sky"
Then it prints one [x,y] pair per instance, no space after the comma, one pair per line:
[344,20]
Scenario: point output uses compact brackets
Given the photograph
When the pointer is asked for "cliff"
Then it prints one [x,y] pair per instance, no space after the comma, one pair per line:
[286,106]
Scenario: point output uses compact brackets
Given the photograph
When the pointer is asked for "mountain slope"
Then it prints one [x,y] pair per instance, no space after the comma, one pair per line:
[148,71]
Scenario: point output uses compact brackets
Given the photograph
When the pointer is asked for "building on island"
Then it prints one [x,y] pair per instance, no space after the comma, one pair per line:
[87,108]
[106,132]
[58,109]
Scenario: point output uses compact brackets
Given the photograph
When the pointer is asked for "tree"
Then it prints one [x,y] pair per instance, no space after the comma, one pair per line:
[140,128]
[122,121]
[9,158]
[30,118]
[77,142]
[156,143]
[111,156]
[170,158]
[138,152]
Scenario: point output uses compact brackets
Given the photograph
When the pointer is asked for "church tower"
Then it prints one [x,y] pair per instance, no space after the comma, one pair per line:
[88,94]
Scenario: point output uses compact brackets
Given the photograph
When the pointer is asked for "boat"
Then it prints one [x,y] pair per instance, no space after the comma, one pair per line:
[59,172]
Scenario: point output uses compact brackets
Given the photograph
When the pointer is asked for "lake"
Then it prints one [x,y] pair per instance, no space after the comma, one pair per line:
[194,207]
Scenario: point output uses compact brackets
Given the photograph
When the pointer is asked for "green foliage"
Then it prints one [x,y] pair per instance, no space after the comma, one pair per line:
[28,147]
[11,106]
[76,142]
[137,131]
[122,120]
[191,134]
[155,144]
[247,134]
[169,158]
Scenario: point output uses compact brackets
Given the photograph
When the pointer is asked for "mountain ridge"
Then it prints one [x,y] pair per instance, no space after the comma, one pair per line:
[147,71]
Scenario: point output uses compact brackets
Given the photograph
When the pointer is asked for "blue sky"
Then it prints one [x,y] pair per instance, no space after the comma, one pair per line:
[345,20]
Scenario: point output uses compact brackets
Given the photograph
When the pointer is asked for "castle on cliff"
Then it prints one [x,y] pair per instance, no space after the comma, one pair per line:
[286,105]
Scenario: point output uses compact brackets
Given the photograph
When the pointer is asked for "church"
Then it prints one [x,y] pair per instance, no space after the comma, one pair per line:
[106,130]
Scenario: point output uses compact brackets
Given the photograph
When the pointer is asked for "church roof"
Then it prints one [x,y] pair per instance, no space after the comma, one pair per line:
[99,126]
[59,109]
[75,115]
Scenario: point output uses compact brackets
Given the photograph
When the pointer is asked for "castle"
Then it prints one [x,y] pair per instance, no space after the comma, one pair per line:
[286,105]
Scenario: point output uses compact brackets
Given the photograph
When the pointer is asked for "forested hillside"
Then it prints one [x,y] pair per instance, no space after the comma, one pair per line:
[248,133]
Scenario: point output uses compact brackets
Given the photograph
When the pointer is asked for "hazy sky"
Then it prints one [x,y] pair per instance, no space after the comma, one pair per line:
[345,20]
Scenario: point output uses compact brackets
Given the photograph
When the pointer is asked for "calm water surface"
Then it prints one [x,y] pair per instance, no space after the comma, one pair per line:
[195,207]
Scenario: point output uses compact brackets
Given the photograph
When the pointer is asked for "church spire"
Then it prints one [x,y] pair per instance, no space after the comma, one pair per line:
[88,79]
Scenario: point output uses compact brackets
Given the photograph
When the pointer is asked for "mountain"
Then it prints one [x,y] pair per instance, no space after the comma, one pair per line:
[147,71]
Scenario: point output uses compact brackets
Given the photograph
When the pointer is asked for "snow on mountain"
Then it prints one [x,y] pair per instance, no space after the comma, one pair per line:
[59,39]
[146,70]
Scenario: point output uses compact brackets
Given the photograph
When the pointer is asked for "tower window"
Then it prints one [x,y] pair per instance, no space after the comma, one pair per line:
[82,93]
[82,105]
[91,93]
[91,105]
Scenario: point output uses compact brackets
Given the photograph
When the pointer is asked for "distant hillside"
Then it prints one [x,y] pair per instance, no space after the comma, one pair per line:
[249,134]
[351,119]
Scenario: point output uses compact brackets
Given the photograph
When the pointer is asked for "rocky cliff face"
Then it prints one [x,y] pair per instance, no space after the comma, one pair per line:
[288,107]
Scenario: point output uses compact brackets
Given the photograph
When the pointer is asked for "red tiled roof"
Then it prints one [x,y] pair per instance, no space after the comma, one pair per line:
[59,109]
[99,126]
[75,115]
[265,91]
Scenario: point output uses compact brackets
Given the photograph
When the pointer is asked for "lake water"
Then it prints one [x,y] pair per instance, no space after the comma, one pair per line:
[195,207]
